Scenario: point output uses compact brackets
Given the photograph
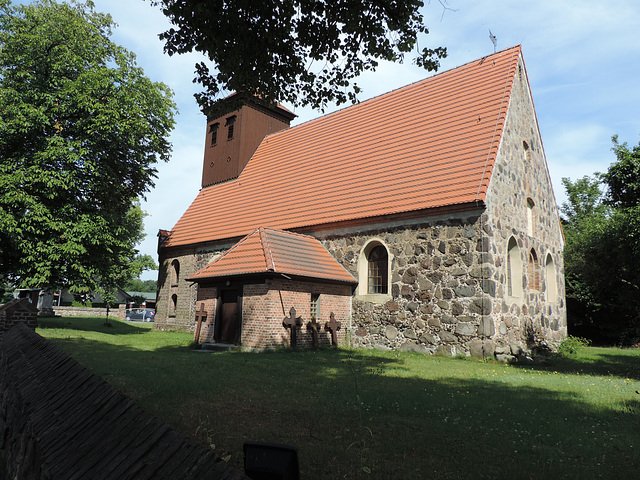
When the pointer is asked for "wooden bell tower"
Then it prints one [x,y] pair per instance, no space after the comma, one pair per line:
[231,139]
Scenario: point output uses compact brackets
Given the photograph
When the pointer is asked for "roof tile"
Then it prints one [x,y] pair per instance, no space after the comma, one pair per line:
[266,250]
[429,144]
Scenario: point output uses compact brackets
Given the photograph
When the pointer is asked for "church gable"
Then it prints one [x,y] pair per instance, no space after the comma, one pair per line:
[524,226]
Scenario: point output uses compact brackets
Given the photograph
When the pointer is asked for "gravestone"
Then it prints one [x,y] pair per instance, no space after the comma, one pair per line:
[333,326]
[314,327]
[201,316]
[292,322]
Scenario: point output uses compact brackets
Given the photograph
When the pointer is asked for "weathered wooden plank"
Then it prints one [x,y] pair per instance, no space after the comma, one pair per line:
[124,455]
[73,425]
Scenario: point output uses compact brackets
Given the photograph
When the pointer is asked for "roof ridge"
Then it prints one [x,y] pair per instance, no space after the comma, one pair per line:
[266,249]
[436,75]
[233,248]
[508,86]
[289,232]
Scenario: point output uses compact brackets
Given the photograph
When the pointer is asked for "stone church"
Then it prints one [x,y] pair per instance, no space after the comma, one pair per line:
[423,219]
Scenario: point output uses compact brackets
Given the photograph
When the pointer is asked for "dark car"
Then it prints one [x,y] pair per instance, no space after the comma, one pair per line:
[140,314]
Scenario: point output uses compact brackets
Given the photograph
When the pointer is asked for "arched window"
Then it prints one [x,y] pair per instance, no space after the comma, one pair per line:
[374,271]
[550,280]
[378,261]
[527,150]
[175,272]
[533,271]
[173,305]
[514,269]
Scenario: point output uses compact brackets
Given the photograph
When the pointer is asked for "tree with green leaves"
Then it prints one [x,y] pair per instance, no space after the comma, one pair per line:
[602,255]
[138,285]
[299,51]
[81,130]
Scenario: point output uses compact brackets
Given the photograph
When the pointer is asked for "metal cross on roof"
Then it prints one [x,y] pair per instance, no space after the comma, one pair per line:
[333,326]
[292,322]
[494,40]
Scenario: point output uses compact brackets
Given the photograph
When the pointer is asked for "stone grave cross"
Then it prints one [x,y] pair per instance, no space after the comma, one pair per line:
[201,316]
[315,328]
[293,323]
[333,326]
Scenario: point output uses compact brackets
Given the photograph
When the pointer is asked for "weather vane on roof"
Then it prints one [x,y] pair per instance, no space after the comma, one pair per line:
[494,40]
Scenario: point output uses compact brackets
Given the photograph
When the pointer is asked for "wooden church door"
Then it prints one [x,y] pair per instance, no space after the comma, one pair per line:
[229,318]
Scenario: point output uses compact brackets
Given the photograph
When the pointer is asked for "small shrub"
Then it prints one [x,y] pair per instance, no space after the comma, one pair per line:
[80,304]
[570,346]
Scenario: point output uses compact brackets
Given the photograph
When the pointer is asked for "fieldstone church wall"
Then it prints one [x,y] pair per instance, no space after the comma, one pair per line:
[447,293]
[442,292]
[521,208]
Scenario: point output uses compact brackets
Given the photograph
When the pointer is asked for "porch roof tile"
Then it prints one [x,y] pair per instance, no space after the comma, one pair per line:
[267,250]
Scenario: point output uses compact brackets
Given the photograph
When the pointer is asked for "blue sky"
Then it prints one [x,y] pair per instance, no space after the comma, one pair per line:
[582,58]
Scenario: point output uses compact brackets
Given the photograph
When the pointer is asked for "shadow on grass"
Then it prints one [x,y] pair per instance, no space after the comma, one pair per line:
[363,414]
[594,361]
[91,324]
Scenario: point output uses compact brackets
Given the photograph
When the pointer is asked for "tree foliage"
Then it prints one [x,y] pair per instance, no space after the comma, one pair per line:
[306,52]
[138,285]
[602,256]
[81,129]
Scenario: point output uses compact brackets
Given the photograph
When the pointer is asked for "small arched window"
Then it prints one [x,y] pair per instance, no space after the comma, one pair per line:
[527,150]
[530,205]
[550,280]
[374,271]
[514,269]
[378,261]
[173,305]
[175,272]
[533,271]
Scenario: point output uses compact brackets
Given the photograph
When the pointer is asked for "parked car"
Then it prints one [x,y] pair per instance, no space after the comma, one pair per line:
[140,314]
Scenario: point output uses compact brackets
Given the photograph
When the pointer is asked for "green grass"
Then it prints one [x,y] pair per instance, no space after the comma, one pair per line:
[379,415]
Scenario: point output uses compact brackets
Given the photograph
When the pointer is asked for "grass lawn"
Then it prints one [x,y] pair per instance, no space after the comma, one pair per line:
[379,415]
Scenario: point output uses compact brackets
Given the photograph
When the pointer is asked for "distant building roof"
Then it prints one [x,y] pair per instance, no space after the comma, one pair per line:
[145,295]
[428,145]
[266,250]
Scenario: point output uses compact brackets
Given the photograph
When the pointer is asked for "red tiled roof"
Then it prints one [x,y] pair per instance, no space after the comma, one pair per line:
[429,144]
[273,251]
